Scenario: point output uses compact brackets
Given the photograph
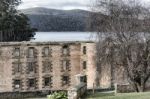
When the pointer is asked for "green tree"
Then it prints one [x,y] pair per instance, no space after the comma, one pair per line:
[14,26]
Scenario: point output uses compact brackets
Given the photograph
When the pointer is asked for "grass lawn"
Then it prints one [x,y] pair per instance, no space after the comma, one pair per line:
[145,95]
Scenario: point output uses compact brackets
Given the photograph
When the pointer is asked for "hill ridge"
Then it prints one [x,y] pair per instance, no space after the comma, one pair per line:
[46,19]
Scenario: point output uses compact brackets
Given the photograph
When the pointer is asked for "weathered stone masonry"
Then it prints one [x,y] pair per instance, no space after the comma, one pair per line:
[34,66]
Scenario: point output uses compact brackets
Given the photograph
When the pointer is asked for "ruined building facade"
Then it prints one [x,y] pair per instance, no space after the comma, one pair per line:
[39,66]
[33,66]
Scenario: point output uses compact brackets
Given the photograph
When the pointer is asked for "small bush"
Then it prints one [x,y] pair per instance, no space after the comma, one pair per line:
[57,95]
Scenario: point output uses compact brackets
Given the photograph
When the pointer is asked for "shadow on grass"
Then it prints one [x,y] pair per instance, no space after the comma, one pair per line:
[97,94]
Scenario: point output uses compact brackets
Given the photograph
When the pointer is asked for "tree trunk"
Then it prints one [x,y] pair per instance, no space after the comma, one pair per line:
[140,87]
[135,87]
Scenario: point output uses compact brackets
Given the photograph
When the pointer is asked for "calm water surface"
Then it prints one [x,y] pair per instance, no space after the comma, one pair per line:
[63,36]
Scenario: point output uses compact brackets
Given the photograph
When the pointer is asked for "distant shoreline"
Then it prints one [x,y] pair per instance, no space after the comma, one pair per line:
[65,31]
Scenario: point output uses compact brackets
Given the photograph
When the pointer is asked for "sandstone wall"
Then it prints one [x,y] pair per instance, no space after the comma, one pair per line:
[76,57]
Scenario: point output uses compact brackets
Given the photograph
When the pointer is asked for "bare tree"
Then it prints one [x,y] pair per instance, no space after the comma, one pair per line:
[124,39]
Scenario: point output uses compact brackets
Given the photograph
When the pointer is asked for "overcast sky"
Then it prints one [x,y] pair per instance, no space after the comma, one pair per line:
[59,4]
[56,4]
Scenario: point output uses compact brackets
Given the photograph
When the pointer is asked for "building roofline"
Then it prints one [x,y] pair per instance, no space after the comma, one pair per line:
[42,43]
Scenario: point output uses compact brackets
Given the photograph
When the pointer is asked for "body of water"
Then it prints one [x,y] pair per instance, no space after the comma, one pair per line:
[64,36]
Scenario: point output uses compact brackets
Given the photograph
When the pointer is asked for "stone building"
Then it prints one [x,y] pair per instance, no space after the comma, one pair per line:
[34,66]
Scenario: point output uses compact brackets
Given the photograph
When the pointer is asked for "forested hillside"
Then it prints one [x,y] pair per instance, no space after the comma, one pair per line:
[57,20]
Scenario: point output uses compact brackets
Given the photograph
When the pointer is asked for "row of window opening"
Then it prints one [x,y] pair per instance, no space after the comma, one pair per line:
[47,82]
[46,51]
[47,66]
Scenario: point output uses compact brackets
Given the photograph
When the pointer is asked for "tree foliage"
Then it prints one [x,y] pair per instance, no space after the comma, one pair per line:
[14,25]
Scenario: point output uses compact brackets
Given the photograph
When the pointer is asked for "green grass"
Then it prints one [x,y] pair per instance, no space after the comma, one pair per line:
[145,95]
